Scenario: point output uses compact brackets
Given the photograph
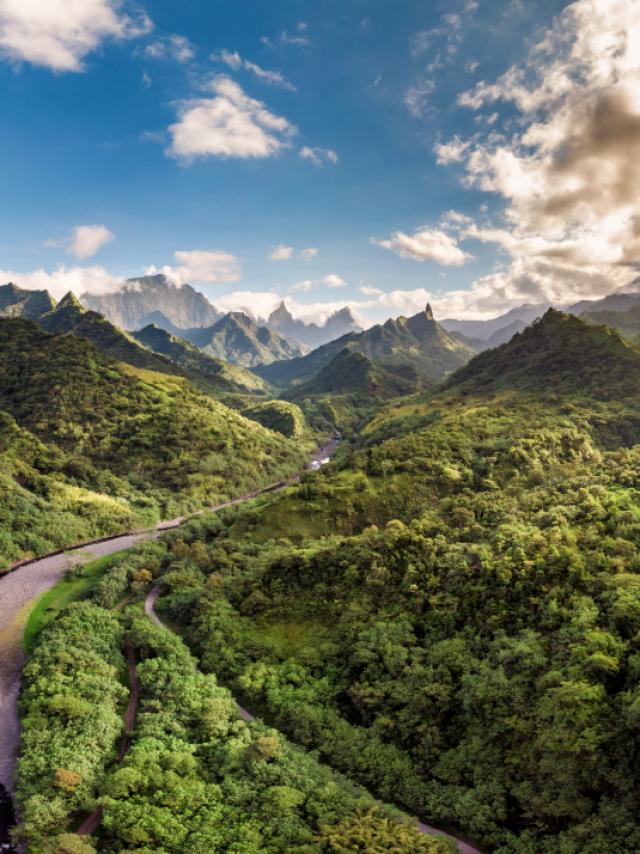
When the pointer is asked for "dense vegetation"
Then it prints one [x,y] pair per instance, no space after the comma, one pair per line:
[474,654]
[448,614]
[196,777]
[278,415]
[89,446]
[226,377]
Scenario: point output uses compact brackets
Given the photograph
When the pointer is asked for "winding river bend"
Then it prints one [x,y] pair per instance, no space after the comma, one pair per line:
[20,589]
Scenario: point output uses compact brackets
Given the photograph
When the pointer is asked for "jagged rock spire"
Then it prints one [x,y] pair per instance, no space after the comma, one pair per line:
[429,312]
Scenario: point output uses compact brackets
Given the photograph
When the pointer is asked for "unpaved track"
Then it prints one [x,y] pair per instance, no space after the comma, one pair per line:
[463,846]
[20,589]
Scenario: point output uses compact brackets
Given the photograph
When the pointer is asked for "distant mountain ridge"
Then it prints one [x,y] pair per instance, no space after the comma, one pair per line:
[339,323]
[29,305]
[238,339]
[418,342]
[131,306]
[152,350]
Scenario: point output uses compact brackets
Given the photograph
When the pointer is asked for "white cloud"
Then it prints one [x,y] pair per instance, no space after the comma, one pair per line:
[569,174]
[64,279]
[88,239]
[452,151]
[229,124]
[236,62]
[426,244]
[318,156]
[175,47]
[369,291]
[416,98]
[329,281]
[59,34]
[202,267]
[85,241]
[281,252]
[299,38]
[333,281]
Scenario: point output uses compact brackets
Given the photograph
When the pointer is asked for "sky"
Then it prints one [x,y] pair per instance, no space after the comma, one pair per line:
[477,154]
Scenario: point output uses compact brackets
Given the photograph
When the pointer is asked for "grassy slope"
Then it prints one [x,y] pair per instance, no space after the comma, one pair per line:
[92,434]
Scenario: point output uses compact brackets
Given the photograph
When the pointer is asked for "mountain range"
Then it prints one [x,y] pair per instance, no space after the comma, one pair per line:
[159,300]
[239,339]
[419,344]
[151,349]
[134,305]
[339,323]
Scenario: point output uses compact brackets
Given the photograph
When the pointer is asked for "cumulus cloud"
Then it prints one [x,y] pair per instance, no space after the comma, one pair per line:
[84,242]
[228,124]
[318,156]
[59,34]
[452,151]
[202,267]
[569,174]
[80,280]
[370,291]
[426,244]
[334,281]
[175,47]
[281,252]
[237,63]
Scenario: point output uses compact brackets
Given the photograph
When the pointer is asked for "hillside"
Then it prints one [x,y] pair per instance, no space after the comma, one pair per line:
[16,302]
[131,306]
[144,444]
[351,372]
[70,317]
[451,617]
[627,322]
[417,342]
[238,339]
[229,377]
[557,353]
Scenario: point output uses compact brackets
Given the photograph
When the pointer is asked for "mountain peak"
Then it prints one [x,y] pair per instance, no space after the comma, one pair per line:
[280,314]
[70,299]
[429,312]
[558,351]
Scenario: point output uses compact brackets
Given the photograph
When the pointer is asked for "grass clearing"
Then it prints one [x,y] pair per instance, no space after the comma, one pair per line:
[76,585]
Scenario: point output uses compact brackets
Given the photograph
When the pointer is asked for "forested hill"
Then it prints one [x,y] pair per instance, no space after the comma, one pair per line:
[450,612]
[89,446]
[229,377]
[561,354]
[417,342]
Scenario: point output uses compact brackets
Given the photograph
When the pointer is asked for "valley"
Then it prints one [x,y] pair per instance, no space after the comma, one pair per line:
[427,606]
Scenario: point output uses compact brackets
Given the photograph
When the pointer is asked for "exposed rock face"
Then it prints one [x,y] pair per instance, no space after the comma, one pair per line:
[131,307]
[30,305]
[339,323]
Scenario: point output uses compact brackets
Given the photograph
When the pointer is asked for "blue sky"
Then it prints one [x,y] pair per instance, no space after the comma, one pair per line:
[131,142]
